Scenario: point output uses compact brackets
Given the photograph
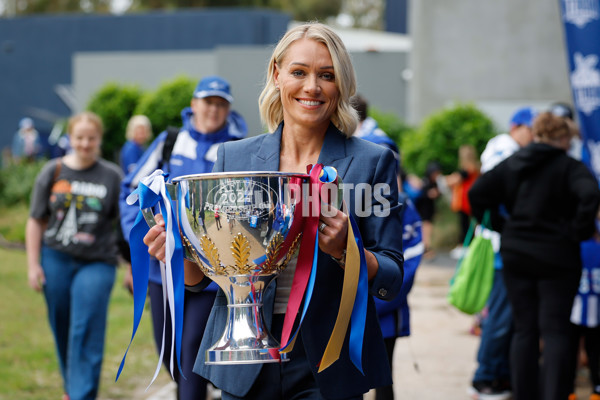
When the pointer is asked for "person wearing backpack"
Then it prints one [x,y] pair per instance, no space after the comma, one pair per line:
[192,149]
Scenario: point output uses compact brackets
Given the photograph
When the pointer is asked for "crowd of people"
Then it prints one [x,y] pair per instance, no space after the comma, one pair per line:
[543,201]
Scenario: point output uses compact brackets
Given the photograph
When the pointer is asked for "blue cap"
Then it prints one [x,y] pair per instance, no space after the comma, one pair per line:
[524,116]
[213,86]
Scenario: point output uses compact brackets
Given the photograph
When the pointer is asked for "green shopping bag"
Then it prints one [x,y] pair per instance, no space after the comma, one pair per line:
[472,282]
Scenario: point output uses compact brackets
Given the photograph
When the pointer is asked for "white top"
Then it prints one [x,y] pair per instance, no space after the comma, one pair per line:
[497,150]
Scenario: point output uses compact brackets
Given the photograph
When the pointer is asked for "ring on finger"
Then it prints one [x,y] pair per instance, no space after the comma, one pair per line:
[322,227]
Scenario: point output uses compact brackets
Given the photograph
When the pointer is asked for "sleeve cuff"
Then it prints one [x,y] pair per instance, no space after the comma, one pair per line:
[199,286]
[387,282]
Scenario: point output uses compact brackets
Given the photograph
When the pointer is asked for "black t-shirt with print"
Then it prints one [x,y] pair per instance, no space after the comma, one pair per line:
[81,207]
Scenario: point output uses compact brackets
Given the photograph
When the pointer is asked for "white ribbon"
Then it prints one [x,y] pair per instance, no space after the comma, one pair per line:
[156,183]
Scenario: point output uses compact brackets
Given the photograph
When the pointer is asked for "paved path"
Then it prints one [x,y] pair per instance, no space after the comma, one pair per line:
[438,360]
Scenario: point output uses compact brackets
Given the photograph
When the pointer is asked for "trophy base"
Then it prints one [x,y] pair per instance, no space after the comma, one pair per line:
[246,356]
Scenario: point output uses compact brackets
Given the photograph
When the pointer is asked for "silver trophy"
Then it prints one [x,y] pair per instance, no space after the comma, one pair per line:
[236,227]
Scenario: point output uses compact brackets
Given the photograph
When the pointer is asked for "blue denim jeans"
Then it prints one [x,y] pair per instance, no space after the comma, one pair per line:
[496,334]
[77,294]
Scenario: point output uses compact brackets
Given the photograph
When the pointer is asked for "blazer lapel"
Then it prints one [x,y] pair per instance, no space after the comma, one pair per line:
[333,152]
[267,157]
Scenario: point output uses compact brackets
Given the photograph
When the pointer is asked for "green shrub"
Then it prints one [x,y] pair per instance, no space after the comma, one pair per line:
[440,136]
[115,104]
[163,106]
[16,182]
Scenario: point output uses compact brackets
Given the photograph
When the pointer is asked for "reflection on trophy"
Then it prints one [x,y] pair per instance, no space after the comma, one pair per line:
[236,227]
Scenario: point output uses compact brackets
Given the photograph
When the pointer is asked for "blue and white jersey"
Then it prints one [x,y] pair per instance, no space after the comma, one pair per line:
[369,130]
[586,307]
[394,315]
[193,153]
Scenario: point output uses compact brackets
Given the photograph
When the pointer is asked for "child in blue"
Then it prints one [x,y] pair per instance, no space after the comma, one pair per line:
[586,314]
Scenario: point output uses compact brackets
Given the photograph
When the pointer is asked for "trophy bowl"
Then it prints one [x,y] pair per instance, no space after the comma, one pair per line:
[236,227]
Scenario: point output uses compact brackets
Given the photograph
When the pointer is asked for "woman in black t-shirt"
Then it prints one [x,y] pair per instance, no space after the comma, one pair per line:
[72,251]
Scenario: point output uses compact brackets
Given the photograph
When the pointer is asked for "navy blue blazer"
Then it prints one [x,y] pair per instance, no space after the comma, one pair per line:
[357,161]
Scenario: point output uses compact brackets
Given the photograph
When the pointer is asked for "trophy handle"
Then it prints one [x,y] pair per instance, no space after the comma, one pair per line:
[148,214]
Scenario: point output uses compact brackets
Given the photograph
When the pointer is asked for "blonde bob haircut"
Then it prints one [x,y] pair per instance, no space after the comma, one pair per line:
[134,122]
[86,116]
[345,117]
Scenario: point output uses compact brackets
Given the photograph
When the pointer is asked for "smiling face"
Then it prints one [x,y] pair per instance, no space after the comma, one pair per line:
[85,140]
[306,82]
[210,113]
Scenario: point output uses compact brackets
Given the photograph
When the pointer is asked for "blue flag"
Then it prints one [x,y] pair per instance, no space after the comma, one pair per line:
[582,32]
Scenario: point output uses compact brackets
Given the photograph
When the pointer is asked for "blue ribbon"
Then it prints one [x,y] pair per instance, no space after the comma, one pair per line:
[359,312]
[149,193]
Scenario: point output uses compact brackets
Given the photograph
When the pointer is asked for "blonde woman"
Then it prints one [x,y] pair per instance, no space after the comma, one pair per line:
[72,252]
[138,133]
[306,104]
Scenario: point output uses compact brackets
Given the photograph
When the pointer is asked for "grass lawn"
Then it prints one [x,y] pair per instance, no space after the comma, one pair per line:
[28,363]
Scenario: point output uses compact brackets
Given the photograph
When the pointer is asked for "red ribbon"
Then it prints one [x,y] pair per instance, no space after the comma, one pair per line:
[305,256]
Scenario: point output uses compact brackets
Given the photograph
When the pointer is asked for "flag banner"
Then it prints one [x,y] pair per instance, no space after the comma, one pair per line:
[581,20]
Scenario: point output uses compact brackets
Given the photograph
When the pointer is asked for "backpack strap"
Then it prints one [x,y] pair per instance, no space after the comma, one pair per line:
[57,169]
[168,145]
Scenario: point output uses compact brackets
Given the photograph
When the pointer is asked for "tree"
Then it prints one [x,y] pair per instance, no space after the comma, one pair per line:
[309,10]
[300,10]
[115,104]
[19,7]
[442,133]
[366,14]
[163,106]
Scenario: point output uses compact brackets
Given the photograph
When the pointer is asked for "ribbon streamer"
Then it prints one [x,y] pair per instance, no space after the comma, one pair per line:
[151,192]
[353,304]
[306,264]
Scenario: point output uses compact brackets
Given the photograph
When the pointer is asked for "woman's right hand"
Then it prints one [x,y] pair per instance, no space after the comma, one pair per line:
[36,277]
[156,238]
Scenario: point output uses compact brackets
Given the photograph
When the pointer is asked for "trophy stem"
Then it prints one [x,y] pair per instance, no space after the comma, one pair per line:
[246,339]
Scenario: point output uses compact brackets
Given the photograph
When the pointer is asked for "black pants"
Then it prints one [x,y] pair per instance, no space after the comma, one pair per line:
[197,308]
[387,392]
[541,297]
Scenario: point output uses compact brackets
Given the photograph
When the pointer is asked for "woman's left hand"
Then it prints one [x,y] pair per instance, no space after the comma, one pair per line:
[333,232]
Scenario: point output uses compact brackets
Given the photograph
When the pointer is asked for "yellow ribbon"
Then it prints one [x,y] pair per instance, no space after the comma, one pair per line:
[350,285]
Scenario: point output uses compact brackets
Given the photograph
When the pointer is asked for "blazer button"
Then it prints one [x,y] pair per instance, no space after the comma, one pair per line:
[382,292]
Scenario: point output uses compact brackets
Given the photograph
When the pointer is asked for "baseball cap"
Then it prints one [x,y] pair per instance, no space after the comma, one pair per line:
[213,86]
[524,116]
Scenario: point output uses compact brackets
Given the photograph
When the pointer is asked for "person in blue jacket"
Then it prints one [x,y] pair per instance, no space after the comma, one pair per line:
[394,315]
[208,122]
[138,133]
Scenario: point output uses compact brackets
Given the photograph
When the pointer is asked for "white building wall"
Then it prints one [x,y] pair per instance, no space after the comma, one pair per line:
[497,54]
